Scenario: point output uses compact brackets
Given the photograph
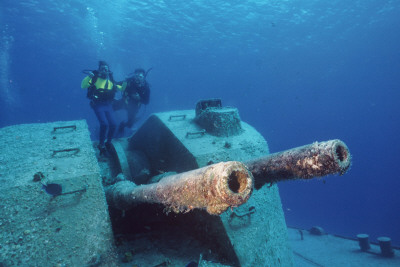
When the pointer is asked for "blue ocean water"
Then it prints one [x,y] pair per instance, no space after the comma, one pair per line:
[298,71]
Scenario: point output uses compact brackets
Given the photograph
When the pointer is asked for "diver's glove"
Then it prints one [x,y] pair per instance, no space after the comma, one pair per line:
[91,74]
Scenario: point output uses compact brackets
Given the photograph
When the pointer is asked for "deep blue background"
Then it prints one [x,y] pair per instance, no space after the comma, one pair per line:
[298,71]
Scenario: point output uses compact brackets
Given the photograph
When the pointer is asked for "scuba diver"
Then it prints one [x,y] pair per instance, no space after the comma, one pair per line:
[101,89]
[136,91]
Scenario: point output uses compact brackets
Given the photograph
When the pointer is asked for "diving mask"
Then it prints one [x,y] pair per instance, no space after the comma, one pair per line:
[103,71]
[139,78]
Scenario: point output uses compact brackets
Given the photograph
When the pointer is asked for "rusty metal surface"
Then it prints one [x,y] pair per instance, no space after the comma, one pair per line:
[214,188]
[305,162]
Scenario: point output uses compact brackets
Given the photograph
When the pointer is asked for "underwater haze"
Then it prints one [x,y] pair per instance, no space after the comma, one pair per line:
[299,71]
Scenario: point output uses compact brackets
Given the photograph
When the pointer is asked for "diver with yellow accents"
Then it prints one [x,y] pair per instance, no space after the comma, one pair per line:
[101,91]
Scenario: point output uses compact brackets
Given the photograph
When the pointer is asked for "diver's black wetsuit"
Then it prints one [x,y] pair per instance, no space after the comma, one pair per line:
[132,103]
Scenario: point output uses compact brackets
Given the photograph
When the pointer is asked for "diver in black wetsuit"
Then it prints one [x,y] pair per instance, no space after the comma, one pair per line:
[136,92]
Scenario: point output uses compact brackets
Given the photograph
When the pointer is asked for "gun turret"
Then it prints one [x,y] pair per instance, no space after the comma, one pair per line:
[191,142]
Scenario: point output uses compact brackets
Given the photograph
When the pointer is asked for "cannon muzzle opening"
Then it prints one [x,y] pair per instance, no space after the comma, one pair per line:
[237,182]
[341,153]
[343,157]
[234,186]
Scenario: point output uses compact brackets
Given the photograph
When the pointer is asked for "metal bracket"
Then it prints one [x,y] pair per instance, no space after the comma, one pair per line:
[238,220]
[201,133]
[75,150]
[73,127]
[183,117]
[251,210]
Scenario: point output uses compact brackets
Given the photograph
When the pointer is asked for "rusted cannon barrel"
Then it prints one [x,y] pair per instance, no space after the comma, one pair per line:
[214,188]
[305,162]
